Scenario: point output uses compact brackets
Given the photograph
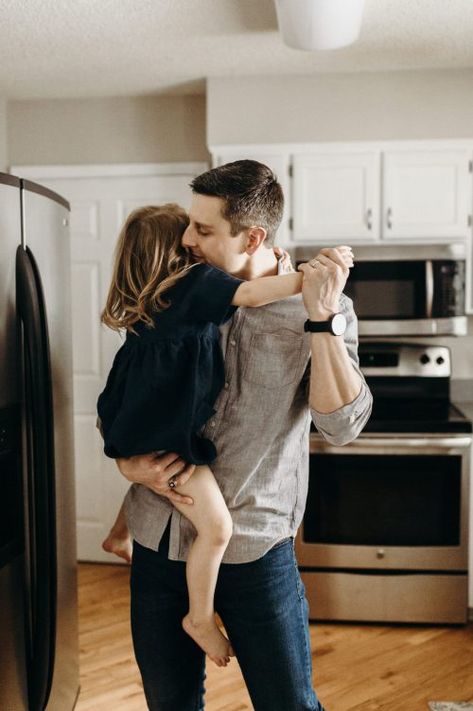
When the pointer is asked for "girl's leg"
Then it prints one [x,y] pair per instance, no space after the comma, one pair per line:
[118,540]
[211,519]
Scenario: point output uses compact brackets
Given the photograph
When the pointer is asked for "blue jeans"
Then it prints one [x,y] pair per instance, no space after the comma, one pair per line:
[263,607]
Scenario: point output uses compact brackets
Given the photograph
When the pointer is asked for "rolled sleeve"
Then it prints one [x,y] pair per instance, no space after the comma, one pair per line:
[345,424]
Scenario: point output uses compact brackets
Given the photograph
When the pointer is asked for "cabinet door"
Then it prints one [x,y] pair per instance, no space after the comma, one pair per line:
[279,164]
[336,196]
[426,194]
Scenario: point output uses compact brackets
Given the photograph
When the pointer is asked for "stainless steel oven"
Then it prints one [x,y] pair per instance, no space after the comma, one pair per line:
[385,532]
[407,290]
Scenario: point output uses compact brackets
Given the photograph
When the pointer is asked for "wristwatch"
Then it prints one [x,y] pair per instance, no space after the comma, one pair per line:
[336,325]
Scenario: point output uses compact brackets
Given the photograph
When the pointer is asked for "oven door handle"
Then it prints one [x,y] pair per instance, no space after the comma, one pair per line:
[411,442]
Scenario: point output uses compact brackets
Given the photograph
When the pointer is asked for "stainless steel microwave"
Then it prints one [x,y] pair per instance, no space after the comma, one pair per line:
[406,290]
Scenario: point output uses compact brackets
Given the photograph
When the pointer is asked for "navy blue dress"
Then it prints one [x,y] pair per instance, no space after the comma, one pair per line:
[164,381]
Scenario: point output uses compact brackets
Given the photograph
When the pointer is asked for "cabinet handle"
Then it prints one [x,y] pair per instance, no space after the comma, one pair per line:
[389,221]
[369,220]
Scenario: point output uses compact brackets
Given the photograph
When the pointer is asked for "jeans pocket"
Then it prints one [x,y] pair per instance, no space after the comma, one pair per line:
[299,584]
[282,543]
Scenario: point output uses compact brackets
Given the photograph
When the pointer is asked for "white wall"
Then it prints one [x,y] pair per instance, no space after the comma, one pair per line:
[3,136]
[462,359]
[340,107]
[108,130]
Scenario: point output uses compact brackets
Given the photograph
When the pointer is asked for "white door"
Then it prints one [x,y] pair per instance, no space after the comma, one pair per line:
[99,207]
[336,196]
[426,194]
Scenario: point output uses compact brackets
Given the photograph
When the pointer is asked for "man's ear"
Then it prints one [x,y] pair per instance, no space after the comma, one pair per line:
[256,237]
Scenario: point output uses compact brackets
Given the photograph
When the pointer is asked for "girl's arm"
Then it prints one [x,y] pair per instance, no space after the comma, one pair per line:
[265,290]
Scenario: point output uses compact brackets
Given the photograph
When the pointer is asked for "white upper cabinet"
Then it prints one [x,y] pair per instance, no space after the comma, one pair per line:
[366,193]
[426,193]
[336,196]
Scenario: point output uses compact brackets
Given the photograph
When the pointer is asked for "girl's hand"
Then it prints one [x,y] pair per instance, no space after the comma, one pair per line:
[155,471]
[286,263]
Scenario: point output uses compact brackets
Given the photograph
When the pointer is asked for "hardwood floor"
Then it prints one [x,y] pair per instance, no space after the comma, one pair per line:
[356,667]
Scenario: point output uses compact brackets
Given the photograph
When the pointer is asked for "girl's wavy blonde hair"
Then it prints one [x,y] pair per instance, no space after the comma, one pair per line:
[149,260]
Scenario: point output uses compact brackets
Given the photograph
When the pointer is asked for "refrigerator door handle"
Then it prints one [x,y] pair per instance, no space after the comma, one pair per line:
[40,478]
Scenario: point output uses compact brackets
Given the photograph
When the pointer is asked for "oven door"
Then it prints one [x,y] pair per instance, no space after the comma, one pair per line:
[387,502]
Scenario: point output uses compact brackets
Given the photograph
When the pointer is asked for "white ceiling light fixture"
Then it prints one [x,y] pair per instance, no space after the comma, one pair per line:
[319,24]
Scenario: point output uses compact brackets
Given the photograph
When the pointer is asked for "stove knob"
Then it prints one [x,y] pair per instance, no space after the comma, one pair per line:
[440,360]
[424,359]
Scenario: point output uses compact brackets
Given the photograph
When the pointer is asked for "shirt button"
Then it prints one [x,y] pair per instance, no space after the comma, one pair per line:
[227,385]
[233,342]
[212,423]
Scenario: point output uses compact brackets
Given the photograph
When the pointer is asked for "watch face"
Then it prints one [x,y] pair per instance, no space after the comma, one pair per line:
[339,324]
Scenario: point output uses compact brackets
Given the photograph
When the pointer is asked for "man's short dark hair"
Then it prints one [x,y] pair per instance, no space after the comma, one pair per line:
[251,193]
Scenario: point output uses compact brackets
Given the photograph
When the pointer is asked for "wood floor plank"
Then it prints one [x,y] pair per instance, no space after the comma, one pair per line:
[356,667]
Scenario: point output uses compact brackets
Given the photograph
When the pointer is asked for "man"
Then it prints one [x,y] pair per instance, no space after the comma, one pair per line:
[261,430]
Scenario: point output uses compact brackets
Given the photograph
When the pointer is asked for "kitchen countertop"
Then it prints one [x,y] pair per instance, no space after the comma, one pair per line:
[466,408]
[461,394]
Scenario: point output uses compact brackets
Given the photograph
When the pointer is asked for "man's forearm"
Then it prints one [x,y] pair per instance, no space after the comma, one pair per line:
[334,382]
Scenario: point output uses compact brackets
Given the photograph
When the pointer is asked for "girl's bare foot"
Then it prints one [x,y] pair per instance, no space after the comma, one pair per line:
[210,639]
[119,545]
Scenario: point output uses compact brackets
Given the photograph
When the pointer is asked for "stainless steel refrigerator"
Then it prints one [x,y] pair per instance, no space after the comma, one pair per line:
[39,666]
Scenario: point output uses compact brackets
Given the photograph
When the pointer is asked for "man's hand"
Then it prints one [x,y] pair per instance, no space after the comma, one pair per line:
[155,471]
[325,277]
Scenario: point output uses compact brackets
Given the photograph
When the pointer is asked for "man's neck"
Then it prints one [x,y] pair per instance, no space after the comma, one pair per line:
[262,263]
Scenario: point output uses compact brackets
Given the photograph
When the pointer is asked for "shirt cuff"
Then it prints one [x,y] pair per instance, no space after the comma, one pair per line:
[345,424]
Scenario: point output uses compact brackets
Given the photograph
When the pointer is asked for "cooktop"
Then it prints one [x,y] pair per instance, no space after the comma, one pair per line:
[416,417]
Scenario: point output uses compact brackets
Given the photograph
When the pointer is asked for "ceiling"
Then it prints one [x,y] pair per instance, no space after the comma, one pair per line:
[91,48]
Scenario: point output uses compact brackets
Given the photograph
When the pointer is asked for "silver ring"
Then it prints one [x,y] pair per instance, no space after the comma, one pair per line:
[172,483]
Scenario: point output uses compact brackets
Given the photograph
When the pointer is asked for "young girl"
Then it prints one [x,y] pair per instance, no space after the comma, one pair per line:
[165,379]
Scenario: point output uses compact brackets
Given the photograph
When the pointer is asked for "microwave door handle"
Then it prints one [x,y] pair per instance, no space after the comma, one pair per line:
[429,288]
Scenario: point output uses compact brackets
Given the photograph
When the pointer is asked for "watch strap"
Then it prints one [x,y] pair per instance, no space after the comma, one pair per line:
[318,326]
[335,325]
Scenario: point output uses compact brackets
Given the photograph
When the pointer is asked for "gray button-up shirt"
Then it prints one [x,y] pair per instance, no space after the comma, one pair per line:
[261,432]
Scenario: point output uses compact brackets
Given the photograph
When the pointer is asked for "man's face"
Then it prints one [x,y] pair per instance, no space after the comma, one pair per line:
[208,235]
